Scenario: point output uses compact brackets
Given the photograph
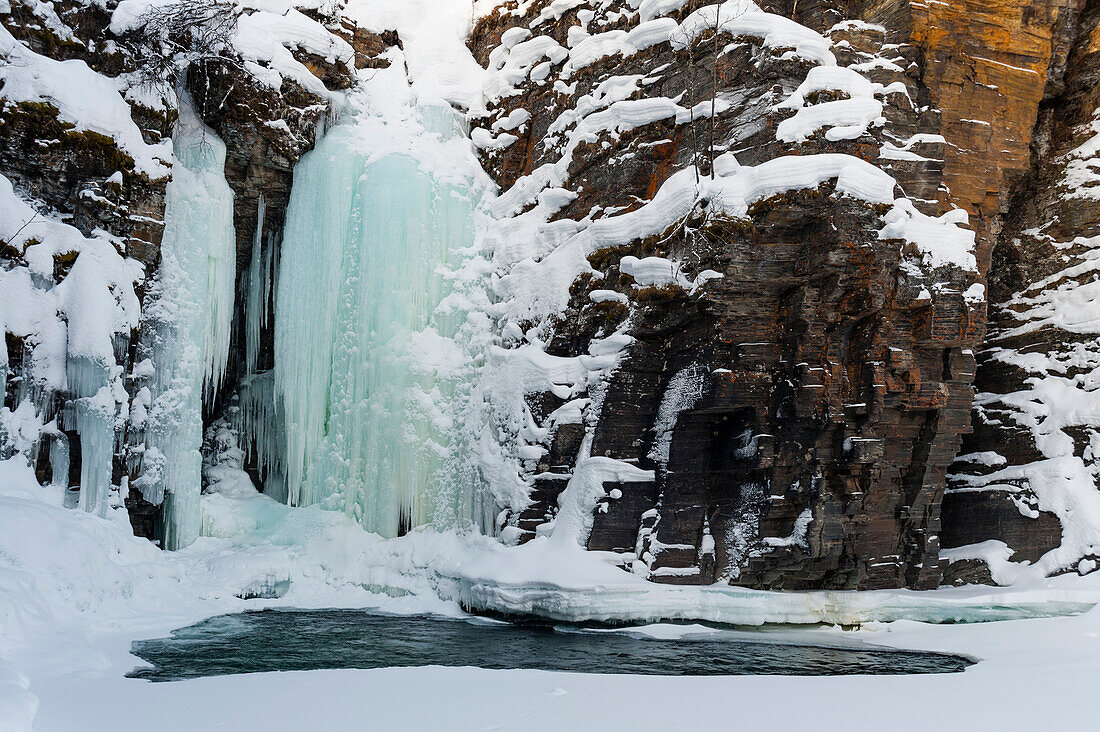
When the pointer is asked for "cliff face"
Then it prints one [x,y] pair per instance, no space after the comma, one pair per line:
[1027,480]
[80,255]
[799,414]
[746,254]
[66,166]
[985,66]
[89,97]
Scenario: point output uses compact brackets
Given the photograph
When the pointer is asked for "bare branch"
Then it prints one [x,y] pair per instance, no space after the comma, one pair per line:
[172,37]
[25,225]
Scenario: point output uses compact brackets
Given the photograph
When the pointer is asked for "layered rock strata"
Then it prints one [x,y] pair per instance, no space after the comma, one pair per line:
[796,408]
[1023,499]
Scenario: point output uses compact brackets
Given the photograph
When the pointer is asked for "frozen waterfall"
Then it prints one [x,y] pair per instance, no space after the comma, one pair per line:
[365,363]
[189,319]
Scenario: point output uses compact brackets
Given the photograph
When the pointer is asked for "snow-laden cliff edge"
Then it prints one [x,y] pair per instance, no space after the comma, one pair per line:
[714,324]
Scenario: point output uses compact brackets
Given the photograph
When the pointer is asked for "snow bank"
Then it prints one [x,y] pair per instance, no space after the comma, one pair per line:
[256,547]
[743,18]
[267,33]
[1081,178]
[323,558]
[267,38]
[942,241]
[43,587]
[17,704]
[433,35]
[849,118]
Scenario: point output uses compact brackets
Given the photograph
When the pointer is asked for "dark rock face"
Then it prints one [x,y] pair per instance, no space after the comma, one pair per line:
[827,402]
[67,169]
[847,419]
[799,413]
[1030,456]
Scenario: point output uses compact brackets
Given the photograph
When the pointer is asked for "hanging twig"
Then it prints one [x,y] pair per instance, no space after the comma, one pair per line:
[172,37]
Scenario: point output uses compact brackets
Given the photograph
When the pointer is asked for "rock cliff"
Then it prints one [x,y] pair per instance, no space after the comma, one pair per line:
[1023,498]
[105,176]
[800,413]
[747,251]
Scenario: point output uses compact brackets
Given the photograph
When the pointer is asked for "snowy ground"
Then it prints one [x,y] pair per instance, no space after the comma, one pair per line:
[1035,674]
[66,627]
[1040,675]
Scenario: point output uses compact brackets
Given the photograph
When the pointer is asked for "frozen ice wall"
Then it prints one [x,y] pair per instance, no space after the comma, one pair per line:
[365,363]
[187,326]
[66,392]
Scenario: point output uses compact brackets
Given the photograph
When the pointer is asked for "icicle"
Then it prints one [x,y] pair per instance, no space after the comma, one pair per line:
[257,302]
[95,421]
[91,413]
[257,418]
[222,272]
[59,460]
[84,376]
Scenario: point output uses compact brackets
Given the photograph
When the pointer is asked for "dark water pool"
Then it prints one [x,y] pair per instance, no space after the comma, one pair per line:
[329,639]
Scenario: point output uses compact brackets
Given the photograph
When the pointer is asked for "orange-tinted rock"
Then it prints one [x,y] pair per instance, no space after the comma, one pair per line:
[986,66]
[1042,258]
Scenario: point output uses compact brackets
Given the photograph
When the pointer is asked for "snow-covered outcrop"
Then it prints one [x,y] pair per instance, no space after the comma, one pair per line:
[731,177]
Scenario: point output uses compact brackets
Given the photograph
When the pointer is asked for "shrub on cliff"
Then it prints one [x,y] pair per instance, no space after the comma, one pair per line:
[174,36]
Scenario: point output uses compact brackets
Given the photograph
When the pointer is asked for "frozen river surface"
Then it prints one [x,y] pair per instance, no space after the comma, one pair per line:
[333,639]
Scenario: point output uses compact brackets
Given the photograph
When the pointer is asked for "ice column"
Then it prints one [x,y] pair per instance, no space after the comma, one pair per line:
[258,418]
[358,354]
[259,290]
[187,326]
[92,413]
